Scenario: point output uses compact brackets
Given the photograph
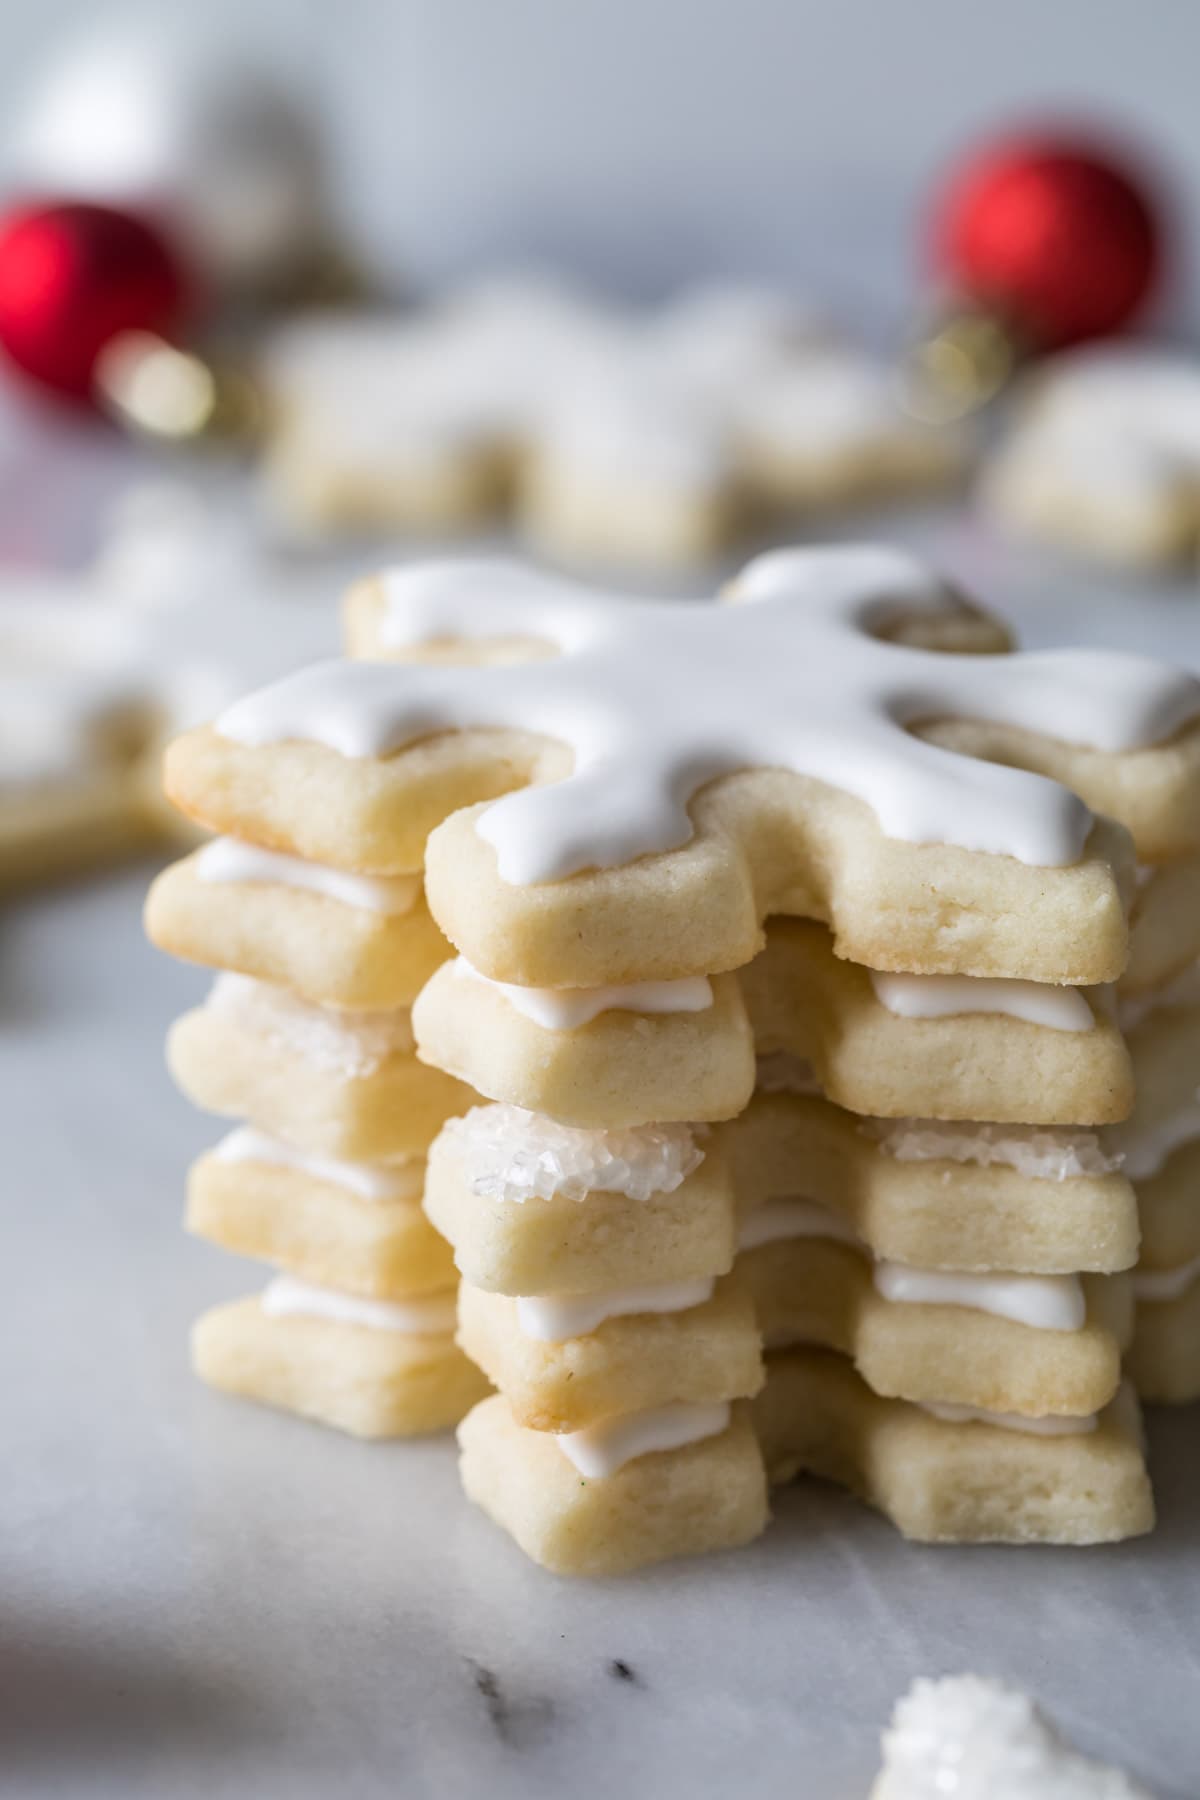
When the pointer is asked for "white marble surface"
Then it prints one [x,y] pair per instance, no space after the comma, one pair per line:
[198,1598]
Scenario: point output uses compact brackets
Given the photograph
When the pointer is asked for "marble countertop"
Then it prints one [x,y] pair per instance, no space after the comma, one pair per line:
[204,1599]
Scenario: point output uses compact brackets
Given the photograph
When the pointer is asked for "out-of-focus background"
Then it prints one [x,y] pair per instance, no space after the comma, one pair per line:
[646,143]
[636,288]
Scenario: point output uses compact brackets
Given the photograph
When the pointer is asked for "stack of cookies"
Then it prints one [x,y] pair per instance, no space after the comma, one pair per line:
[931,1223]
[306,1039]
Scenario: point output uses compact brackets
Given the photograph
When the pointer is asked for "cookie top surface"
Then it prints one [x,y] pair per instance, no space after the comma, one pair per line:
[656,698]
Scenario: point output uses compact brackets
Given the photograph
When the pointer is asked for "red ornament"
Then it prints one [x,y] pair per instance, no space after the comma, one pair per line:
[1054,233]
[72,277]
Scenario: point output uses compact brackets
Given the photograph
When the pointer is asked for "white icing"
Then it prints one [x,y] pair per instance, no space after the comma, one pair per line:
[514,1155]
[1048,1425]
[601,1449]
[779,1072]
[791,1216]
[1166,1284]
[966,1738]
[655,698]
[1182,991]
[553,1318]
[1046,1302]
[1042,1152]
[370,1181]
[228,859]
[1145,1148]
[285,1296]
[950,996]
[564,1009]
[351,1044]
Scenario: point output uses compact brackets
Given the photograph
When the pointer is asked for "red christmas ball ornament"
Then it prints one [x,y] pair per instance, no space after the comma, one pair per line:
[1055,233]
[74,277]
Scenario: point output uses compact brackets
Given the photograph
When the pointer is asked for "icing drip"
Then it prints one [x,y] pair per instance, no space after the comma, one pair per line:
[1145,1148]
[352,1044]
[966,1738]
[369,1181]
[600,1450]
[1046,1302]
[951,996]
[1166,1284]
[285,1297]
[791,1216]
[512,1154]
[655,699]
[1048,1425]
[554,1318]
[564,1009]
[227,859]
[1042,1152]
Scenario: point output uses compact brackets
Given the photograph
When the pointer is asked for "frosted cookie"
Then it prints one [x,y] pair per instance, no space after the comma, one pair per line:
[675,1482]
[958,1479]
[564,1363]
[631,469]
[175,616]
[532,1207]
[633,1055]
[374,1369]
[1030,1344]
[74,715]
[358,1227]
[967,1735]
[375,429]
[830,430]
[949,1047]
[953,1196]
[654,859]
[418,422]
[336,1084]
[1104,459]
[335,938]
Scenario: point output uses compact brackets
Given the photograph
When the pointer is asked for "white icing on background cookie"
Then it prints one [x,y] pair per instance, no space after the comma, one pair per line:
[174,618]
[228,859]
[379,1182]
[1115,424]
[564,1009]
[1144,1149]
[1046,1302]
[657,698]
[1049,1425]
[1166,1284]
[287,1297]
[952,996]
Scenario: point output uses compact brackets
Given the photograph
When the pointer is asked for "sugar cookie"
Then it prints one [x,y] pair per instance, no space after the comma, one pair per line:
[372,1380]
[964,1481]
